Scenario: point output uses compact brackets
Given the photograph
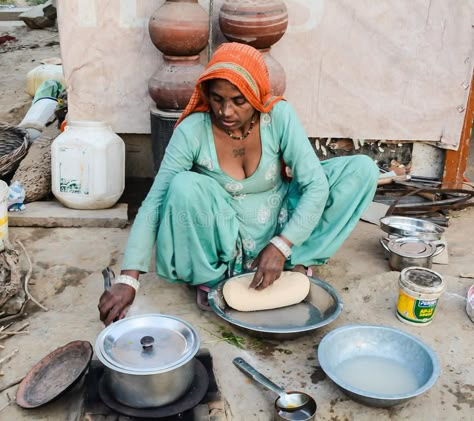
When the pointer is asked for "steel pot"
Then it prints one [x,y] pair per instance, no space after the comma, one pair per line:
[148,359]
[408,251]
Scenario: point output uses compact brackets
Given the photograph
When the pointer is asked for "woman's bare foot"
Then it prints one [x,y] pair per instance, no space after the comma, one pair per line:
[303,269]
[300,269]
[201,298]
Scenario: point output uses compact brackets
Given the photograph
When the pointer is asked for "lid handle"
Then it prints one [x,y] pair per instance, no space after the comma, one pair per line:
[147,343]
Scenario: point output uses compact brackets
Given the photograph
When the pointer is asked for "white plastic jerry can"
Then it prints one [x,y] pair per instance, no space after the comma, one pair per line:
[39,74]
[88,166]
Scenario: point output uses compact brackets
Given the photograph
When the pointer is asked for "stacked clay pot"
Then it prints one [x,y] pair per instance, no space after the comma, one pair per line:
[259,23]
[180,30]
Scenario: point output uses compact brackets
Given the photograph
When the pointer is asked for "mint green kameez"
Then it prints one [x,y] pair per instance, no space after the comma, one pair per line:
[207,225]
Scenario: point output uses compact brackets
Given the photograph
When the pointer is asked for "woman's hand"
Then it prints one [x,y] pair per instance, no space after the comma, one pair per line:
[269,264]
[114,302]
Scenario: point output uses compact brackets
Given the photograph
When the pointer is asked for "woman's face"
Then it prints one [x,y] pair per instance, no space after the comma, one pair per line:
[230,108]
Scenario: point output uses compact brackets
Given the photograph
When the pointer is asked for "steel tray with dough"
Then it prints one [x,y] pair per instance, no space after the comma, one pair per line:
[319,308]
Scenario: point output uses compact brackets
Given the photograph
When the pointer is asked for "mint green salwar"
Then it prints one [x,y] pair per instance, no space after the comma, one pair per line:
[207,225]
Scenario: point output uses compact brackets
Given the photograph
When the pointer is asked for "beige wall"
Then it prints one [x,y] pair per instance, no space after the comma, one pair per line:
[361,69]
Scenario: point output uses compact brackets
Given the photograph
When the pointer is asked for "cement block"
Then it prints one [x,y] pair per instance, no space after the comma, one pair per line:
[12,14]
[53,214]
[41,16]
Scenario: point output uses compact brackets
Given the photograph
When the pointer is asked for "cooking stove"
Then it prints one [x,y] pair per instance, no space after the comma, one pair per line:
[194,406]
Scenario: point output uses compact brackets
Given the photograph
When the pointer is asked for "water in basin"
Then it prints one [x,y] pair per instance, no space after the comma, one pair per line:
[377,375]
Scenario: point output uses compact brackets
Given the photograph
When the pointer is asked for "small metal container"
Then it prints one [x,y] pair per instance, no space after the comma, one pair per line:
[419,291]
[408,251]
[149,359]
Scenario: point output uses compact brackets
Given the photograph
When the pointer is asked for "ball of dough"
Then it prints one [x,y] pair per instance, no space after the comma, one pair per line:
[290,288]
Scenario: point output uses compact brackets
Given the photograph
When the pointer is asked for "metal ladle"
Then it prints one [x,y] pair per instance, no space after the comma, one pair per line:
[287,401]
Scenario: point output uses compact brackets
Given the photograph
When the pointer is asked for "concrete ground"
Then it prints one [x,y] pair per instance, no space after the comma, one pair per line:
[67,279]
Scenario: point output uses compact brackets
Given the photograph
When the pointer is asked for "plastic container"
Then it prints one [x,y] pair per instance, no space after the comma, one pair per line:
[39,114]
[88,166]
[419,291]
[4,191]
[470,303]
[39,74]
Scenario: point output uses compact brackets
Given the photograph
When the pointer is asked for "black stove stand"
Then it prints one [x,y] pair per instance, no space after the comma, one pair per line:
[99,404]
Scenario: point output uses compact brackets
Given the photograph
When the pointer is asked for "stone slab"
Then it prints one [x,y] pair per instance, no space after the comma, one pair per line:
[13,13]
[52,214]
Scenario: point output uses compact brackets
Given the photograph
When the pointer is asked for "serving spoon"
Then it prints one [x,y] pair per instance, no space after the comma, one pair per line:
[287,401]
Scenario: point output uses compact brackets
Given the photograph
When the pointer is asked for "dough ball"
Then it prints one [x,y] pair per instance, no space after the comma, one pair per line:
[290,288]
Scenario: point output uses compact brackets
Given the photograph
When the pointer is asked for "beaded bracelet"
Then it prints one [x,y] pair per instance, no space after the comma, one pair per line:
[282,246]
[128,280]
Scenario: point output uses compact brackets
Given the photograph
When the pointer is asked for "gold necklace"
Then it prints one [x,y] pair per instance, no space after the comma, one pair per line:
[252,123]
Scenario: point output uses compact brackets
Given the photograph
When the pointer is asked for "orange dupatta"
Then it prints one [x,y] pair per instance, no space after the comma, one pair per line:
[244,67]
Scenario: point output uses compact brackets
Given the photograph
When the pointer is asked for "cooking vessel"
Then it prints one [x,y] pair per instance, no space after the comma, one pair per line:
[304,405]
[409,251]
[403,226]
[149,359]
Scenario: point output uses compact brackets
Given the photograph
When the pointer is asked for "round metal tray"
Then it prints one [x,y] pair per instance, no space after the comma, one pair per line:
[55,374]
[403,226]
[319,308]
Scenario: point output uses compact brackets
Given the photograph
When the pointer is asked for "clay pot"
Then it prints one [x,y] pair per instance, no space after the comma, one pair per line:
[259,23]
[179,28]
[173,83]
[276,72]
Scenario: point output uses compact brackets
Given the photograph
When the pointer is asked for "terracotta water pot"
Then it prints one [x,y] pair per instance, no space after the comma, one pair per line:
[173,83]
[276,71]
[259,23]
[179,28]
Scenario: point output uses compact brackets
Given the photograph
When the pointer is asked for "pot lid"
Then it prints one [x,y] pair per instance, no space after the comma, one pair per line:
[147,344]
[411,247]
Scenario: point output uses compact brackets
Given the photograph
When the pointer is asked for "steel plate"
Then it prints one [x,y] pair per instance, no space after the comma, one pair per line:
[319,308]
[403,226]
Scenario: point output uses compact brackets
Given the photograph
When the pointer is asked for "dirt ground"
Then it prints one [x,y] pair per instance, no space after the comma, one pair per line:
[66,278]
[17,58]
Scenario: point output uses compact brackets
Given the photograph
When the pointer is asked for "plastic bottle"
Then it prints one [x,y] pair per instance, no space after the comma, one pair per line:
[4,191]
[40,113]
[88,166]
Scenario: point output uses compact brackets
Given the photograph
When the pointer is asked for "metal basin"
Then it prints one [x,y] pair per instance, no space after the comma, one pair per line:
[378,365]
[319,308]
[402,226]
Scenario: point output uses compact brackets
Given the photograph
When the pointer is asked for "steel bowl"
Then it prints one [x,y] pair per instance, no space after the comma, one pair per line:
[378,365]
[319,308]
[402,226]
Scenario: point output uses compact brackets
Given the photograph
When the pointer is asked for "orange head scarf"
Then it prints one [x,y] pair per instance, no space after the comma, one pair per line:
[244,67]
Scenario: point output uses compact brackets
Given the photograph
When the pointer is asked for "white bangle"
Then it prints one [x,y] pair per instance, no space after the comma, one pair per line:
[127,280]
[282,246]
